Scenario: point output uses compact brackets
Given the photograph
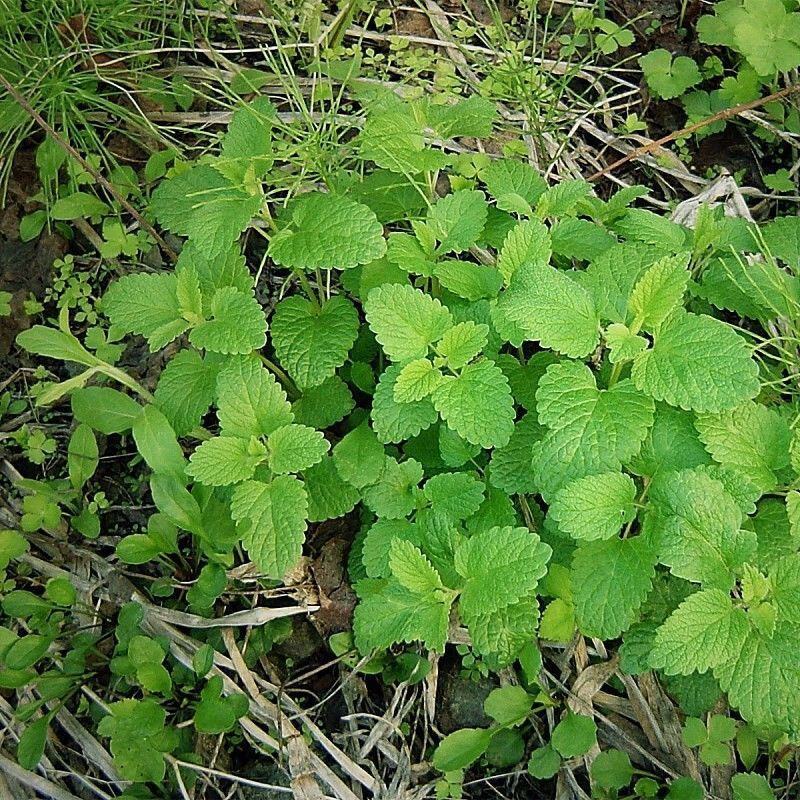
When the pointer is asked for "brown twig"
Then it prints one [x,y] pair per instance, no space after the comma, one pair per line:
[725,114]
[67,147]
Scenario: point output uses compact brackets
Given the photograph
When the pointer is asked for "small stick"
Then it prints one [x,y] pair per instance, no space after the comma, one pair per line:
[64,145]
[725,114]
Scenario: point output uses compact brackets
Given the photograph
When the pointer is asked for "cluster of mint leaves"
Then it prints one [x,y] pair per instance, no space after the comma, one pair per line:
[524,390]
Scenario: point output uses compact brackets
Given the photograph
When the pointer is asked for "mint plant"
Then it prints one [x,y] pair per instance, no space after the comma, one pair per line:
[509,389]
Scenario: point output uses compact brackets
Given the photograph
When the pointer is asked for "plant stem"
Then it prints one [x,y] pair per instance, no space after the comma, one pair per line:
[286,381]
[311,294]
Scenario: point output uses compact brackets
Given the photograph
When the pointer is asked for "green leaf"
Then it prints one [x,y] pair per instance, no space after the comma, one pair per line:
[500,566]
[185,390]
[224,460]
[174,500]
[703,632]
[393,140]
[623,345]
[511,466]
[612,770]
[574,735]
[389,613]
[237,324]
[499,636]
[553,309]
[247,144]
[526,243]
[82,455]
[378,544]
[205,206]
[508,180]
[395,494]
[544,762]
[463,342]
[325,404]
[78,205]
[610,581]
[590,430]
[138,738]
[326,232]
[562,199]
[669,78]
[294,448]
[753,438]
[760,676]
[329,496]
[699,526]
[393,421]
[53,343]
[30,747]
[105,409]
[508,705]
[658,292]
[272,521]
[477,404]
[456,494]
[416,381]
[405,321]
[594,507]
[697,363]
[461,748]
[360,457]
[411,569]
[251,403]
[468,280]
[751,786]
[313,342]
[457,220]
[157,444]
[473,116]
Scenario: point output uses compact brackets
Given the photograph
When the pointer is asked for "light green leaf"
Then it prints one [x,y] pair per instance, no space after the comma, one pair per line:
[477,404]
[393,421]
[147,304]
[360,457]
[526,243]
[251,403]
[395,494]
[753,438]
[703,632]
[272,520]
[293,448]
[329,496]
[157,444]
[328,231]
[416,381]
[610,581]
[553,309]
[409,567]
[224,460]
[237,324]
[594,507]
[463,342]
[185,390]
[313,342]
[390,613]
[699,526]
[658,292]
[205,206]
[456,494]
[405,321]
[457,220]
[697,363]
[500,566]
